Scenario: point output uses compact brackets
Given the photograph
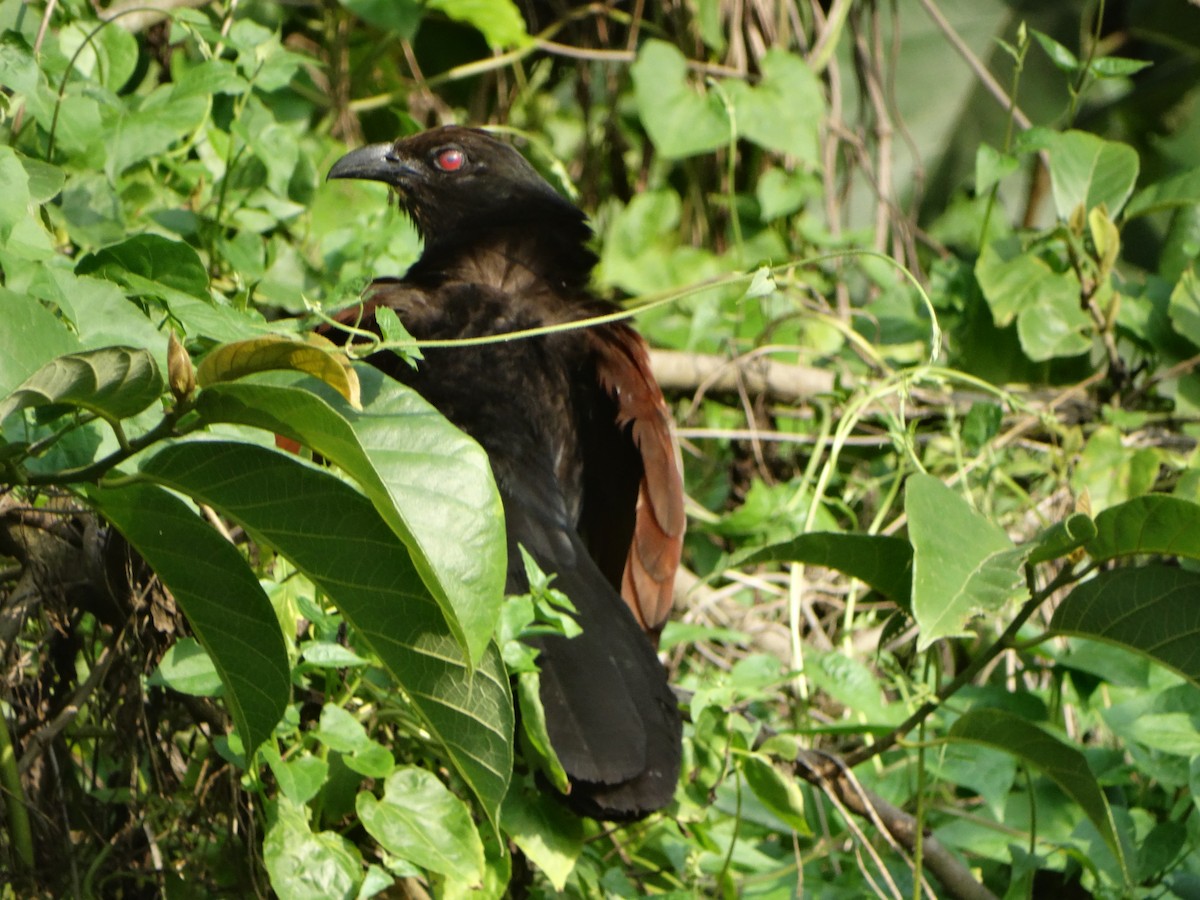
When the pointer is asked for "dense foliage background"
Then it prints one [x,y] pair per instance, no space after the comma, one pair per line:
[922,277]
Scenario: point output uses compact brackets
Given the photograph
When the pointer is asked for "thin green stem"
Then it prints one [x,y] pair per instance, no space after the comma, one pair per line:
[96,470]
[14,799]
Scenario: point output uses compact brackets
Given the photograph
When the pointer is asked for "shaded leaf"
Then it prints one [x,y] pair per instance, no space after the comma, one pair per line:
[778,792]
[1184,307]
[331,533]
[222,599]
[114,382]
[1054,758]
[1150,609]
[186,668]
[1180,190]
[883,563]
[962,563]
[314,356]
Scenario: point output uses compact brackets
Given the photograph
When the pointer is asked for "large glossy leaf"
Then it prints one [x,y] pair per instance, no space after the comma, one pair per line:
[883,563]
[219,594]
[1056,759]
[429,481]
[962,563]
[114,382]
[1151,523]
[150,264]
[1154,610]
[333,534]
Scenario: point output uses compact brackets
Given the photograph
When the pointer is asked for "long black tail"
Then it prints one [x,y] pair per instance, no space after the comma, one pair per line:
[611,716]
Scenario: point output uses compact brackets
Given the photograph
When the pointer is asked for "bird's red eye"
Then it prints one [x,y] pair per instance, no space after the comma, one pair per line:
[450,159]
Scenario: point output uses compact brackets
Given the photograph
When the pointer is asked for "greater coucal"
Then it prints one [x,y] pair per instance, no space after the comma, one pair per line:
[576,430]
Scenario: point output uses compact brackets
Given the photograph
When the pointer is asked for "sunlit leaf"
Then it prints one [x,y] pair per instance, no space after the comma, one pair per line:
[419,820]
[332,534]
[429,481]
[304,865]
[114,382]
[963,564]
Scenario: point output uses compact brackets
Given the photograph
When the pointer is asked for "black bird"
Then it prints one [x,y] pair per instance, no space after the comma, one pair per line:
[576,430]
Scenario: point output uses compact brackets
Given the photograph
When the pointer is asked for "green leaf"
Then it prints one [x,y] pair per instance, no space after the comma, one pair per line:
[429,481]
[332,534]
[680,121]
[114,382]
[1180,190]
[1058,328]
[546,832]
[31,337]
[992,166]
[186,668]
[962,563]
[399,16]
[1062,538]
[307,866]
[339,730]
[315,356]
[882,563]
[1149,609]
[1152,523]
[779,793]
[1054,758]
[785,110]
[1184,307]
[419,820]
[14,199]
[499,21]
[299,777]
[1063,58]
[1017,284]
[1087,170]
[150,127]
[1117,66]
[226,607]
[150,265]
[1110,472]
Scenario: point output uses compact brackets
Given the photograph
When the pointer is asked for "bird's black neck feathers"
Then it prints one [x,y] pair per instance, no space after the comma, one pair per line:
[545,237]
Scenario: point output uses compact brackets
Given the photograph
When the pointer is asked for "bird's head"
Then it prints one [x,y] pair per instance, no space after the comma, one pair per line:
[459,182]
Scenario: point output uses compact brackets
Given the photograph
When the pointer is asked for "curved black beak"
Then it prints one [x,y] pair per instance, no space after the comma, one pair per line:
[374,162]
